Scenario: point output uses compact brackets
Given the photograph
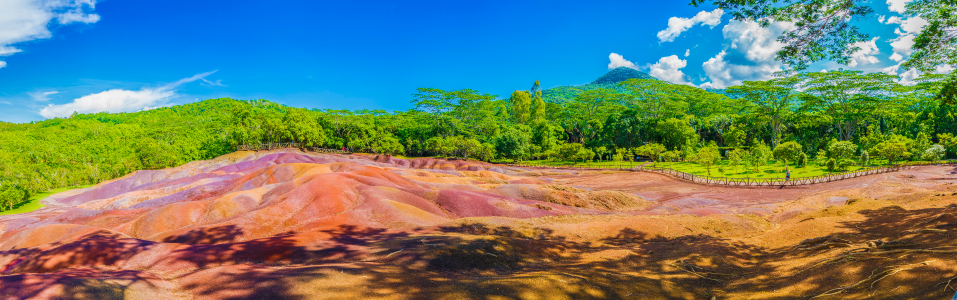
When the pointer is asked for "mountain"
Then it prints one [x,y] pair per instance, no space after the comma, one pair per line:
[620,74]
[610,80]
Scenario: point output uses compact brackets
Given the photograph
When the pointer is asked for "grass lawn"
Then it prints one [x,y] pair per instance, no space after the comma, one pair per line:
[34,202]
[772,170]
[723,168]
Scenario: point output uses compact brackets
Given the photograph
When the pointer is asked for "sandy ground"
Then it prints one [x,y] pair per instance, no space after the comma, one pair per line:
[292,225]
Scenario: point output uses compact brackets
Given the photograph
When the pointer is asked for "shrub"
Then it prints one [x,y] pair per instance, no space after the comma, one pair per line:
[789,152]
[935,152]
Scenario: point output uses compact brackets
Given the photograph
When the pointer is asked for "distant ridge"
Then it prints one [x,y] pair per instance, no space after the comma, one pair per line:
[620,74]
[610,80]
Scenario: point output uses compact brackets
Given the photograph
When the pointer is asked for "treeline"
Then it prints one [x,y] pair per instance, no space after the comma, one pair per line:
[842,116]
[90,148]
[872,113]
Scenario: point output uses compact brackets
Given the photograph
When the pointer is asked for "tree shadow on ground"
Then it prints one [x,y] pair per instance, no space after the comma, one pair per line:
[73,284]
[207,235]
[100,248]
[478,261]
[869,259]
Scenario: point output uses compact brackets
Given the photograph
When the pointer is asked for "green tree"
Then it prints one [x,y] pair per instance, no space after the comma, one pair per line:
[600,151]
[676,133]
[513,142]
[537,105]
[707,157]
[655,98]
[570,151]
[520,105]
[842,152]
[894,148]
[303,128]
[736,157]
[788,152]
[849,97]
[651,150]
[934,152]
[760,155]
[773,100]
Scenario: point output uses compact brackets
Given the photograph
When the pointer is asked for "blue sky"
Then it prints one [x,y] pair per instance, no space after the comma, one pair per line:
[60,56]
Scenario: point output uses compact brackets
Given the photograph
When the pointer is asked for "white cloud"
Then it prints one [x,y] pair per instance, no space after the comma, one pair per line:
[687,52]
[913,25]
[213,83]
[943,69]
[880,18]
[2,64]
[867,53]
[893,20]
[897,6]
[748,55]
[668,68]
[42,96]
[616,60]
[908,77]
[119,100]
[678,25]
[903,45]
[27,20]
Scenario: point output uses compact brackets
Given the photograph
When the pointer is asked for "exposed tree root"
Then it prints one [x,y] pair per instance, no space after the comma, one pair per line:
[697,271]
[947,285]
[935,218]
[874,278]
[923,230]
[818,243]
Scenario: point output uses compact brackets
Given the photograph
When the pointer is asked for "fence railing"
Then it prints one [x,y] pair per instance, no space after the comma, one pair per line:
[795,181]
[274,146]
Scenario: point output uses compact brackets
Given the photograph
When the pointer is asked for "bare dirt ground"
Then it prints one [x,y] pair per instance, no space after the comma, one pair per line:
[291,225]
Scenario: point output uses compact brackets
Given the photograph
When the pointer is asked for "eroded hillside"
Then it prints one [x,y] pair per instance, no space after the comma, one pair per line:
[296,225]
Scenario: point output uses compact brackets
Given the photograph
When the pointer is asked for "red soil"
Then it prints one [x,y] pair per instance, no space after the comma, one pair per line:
[288,224]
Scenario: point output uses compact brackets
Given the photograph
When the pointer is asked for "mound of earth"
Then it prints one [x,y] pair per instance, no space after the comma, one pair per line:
[294,225]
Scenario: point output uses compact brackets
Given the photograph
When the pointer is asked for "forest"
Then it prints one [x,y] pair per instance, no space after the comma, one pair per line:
[838,118]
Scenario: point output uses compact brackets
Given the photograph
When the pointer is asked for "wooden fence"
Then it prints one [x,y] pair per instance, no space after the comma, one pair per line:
[274,146]
[795,181]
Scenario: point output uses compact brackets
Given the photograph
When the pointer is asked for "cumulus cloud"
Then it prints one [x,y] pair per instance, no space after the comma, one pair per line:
[616,60]
[903,45]
[893,20]
[748,54]
[866,54]
[687,52]
[42,96]
[906,78]
[27,20]
[944,69]
[119,100]
[678,25]
[897,6]
[668,68]
[2,64]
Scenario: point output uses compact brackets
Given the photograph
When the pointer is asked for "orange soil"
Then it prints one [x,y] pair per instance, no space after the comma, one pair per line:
[293,225]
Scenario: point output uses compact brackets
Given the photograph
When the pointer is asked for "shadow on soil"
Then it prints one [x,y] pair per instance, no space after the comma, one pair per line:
[482,262]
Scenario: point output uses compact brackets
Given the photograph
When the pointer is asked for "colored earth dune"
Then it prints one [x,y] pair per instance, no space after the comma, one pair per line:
[293,225]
